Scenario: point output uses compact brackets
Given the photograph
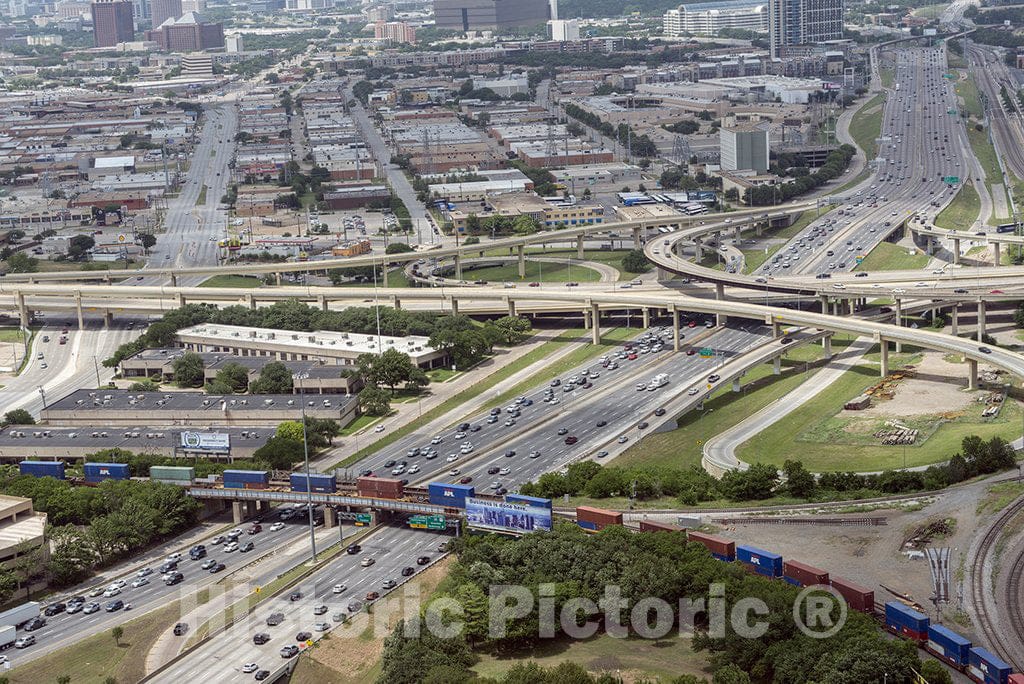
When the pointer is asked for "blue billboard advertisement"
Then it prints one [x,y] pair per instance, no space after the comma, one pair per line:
[507,517]
[702,196]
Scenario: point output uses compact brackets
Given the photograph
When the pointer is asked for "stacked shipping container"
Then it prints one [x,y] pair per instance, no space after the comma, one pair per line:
[594,519]
[759,561]
[722,549]
[906,622]
[380,487]
[947,645]
[175,474]
[452,495]
[986,668]
[857,597]
[317,483]
[246,479]
[803,575]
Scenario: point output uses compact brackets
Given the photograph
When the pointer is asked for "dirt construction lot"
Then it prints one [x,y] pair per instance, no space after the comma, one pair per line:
[934,390]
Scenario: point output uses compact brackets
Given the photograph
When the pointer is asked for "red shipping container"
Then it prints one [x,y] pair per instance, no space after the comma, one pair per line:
[652,526]
[802,574]
[719,547]
[857,597]
[598,516]
[379,486]
[256,485]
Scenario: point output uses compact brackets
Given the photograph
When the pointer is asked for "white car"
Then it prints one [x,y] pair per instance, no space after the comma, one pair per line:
[504,471]
[339,588]
[232,546]
[379,428]
[452,458]
[173,558]
[277,526]
[454,471]
[250,667]
[141,582]
[143,572]
[437,440]
[692,391]
[414,469]
[111,592]
[119,583]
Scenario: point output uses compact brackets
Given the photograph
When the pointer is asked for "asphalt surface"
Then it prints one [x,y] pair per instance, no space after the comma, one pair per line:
[921,143]
[221,659]
[63,629]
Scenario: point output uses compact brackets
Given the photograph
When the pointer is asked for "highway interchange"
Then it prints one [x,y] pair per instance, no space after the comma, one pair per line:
[613,398]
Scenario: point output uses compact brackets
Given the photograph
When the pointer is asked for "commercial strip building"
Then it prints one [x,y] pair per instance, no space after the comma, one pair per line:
[49,443]
[708,18]
[326,347]
[598,177]
[122,408]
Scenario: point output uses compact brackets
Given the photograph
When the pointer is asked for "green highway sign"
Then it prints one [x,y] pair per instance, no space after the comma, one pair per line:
[951,112]
[707,352]
[951,180]
[363,519]
[859,259]
[951,77]
[428,522]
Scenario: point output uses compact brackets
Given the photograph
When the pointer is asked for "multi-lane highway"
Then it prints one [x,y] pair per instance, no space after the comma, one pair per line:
[392,549]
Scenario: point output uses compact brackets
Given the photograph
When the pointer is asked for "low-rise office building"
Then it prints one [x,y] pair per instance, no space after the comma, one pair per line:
[123,408]
[22,532]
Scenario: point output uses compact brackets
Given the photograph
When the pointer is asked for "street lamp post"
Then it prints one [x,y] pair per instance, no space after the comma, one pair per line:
[305,453]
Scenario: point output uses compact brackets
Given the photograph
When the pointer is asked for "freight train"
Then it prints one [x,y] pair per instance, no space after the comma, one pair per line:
[977,663]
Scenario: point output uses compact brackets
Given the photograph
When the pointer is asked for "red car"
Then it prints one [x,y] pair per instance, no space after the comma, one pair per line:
[466,480]
[534,284]
[691,351]
[255,529]
[631,357]
[571,440]
[691,324]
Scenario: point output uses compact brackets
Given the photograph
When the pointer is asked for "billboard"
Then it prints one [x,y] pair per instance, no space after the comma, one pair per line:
[702,196]
[507,517]
[205,441]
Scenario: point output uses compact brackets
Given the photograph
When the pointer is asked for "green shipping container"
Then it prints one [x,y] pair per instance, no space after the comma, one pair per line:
[172,473]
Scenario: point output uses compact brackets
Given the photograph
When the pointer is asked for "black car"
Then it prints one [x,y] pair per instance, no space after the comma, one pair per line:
[303,636]
[984,350]
[659,411]
[422,560]
[602,423]
[510,453]
[180,628]
[475,428]
[365,473]
[168,566]
[354,549]
[642,425]
[390,463]
[275,619]
[260,638]
[34,624]
[295,596]
[493,470]
[115,606]
[463,427]
[408,571]
[262,674]
[219,567]
[54,609]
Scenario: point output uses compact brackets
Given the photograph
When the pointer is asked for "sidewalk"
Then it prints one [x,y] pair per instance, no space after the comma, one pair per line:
[441,392]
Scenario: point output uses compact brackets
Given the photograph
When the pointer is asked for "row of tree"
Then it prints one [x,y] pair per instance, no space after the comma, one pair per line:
[691,486]
[834,166]
[577,565]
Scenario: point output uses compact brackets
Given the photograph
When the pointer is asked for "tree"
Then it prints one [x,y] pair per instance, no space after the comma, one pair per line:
[144,385]
[635,262]
[71,557]
[64,679]
[148,240]
[524,225]
[275,378]
[8,585]
[374,401]
[79,246]
[27,565]
[398,248]
[234,376]
[514,329]
[390,369]
[19,262]
[290,429]
[117,632]
[280,453]
[188,370]
[799,481]
[934,673]
[17,417]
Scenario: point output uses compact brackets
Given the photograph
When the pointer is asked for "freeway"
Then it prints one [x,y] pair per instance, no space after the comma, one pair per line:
[990,73]
[221,658]
[62,629]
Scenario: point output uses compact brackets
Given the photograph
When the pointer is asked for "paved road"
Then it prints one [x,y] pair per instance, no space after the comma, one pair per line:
[221,658]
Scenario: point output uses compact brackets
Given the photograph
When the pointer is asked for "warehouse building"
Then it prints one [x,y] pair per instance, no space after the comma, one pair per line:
[327,347]
[122,408]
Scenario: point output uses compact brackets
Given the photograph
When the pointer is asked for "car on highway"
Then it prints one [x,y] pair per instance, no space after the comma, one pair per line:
[140,582]
[659,411]
[303,636]
[218,567]
[322,626]
[111,591]
[25,641]
[277,526]
[984,350]
[563,431]
[114,606]
[246,547]
[353,549]
[261,675]
[289,651]
[320,610]
[372,596]
[571,439]
[295,596]
[713,378]
[622,439]
[275,619]
[367,562]
[423,560]
[230,547]
[354,606]
[465,480]
[249,668]
[54,609]
[534,454]
[90,608]
[389,584]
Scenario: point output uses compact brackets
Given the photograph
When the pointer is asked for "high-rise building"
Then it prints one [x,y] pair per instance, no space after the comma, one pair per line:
[396,32]
[192,6]
[187,33]
[743,148]
[112,22]
[140,10]
[803,22]
[708,18]
[489,15]
[162,10]
[235,43]
[564,30]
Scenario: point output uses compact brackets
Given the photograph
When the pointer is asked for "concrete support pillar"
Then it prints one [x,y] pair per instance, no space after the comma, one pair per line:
[595,328]
[662,275]
[995,253]
[675,329]
[174,280]
[321,301]
[579,246]
[981,319]
[397,303]
[898,308]
[824,304]
[277,279]
[698,247]
[884,348]
[250,301]
[78,310]
[455,306]
[511,307]
[647,317]
[180,299]
[238,511]
[522,260]
[719,291]
[853,306]
[776,328]
[736,386]
[759,229]
[637,239]
[586,319]
[827,342]
[458,267]
[777,365]
[384,274]
[23,314]
[956,251]
[955,320]
[108,318]
[330,518]
[972,374]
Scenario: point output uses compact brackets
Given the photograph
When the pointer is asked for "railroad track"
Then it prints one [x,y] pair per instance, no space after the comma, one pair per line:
[1007,643]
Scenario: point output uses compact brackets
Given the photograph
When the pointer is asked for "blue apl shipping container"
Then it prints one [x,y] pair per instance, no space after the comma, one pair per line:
[244,477]
[42,468]
[454,495]
[97,472]
[760,561]
[987,668]
[528,500]
[906,622]
[318,483]
[948,645]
